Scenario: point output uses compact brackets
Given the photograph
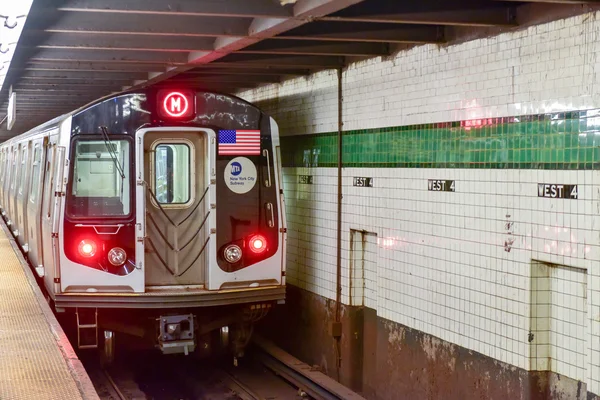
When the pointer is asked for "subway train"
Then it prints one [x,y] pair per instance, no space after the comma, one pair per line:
[157,213]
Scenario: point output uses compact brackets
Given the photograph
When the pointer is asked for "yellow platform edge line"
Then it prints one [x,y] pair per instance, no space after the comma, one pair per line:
[74,365]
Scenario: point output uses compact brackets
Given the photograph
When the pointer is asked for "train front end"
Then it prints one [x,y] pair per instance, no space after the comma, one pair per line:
[173,213]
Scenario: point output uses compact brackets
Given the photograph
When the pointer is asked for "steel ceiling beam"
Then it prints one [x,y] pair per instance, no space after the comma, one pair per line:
[243,71]
[259,29]
[307,47]
[282,61]
[81,55]
[428,12]
[225,78]
[122,24]
[44,82]
[60,75]
[206,8]
[129,42]
[365,32]
[109,67]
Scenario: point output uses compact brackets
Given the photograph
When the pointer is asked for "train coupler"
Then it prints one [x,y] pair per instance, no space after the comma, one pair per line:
[176,334]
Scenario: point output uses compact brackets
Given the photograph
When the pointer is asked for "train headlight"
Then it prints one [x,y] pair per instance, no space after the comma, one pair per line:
[258,244]
[232,253]
[87,248]
[117,256]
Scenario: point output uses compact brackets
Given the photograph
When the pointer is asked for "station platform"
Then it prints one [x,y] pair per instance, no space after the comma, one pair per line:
[36,359]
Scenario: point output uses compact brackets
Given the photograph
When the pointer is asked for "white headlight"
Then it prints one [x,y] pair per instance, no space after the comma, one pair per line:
[232,253]
[117,256]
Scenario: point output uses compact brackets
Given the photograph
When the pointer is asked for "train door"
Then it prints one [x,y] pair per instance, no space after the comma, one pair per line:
[2,176]
[46,217]
[14,184]
[6,184]
[34,206]
[21,203]
[175,170]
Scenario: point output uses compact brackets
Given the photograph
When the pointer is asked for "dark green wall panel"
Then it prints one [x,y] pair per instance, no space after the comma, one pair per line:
[547,141]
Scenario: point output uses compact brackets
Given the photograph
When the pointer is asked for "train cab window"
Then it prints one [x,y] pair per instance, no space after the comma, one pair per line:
[35,175]
[172,170]
[100,185]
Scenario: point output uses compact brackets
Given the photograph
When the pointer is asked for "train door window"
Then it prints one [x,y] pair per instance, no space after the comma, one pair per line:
[23,169]
[35,173]
[173,185]
[3,171]
[48,185]
[13,176]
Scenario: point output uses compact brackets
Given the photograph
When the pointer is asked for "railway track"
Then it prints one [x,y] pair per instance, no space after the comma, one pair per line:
[266,373]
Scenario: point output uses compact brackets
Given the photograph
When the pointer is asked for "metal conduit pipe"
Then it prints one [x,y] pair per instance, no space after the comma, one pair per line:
[338,275]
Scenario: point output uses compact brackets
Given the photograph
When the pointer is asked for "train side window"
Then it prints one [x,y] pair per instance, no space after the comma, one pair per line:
[35,175]
[172,183]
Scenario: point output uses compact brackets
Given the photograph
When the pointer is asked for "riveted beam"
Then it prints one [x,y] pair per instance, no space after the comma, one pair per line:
[110,67]
[459,13]
[121,56]
[210,8]
[365,32]
[122,24]
[126,42]
[60,75]
[244,71]
[307,47]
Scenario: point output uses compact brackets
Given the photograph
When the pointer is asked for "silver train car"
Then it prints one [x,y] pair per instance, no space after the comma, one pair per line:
[156,213]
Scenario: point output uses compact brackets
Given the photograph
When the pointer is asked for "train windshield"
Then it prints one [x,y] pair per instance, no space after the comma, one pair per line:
[100,182]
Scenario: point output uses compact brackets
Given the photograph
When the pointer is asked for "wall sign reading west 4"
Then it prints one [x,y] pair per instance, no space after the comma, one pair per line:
[305,179]
[362,182]
[438,185]
[556,191]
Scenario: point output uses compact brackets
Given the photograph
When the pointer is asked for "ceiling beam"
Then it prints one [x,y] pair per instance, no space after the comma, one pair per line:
[123,24]
[429,13]
[109,56]
[46,82]
[282,61]
[306,47]
[207,8]
[45,65]
[243,71]
[365,32]
[304,11]
[188,80]
[127,42]
[60,75]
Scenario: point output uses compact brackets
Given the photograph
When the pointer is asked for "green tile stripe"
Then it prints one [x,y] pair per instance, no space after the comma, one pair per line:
[547,141]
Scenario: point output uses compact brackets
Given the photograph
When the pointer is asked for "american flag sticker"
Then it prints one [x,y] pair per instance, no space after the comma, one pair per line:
[239,142]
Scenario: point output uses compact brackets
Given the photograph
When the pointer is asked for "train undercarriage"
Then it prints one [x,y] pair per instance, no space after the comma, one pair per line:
[201,332]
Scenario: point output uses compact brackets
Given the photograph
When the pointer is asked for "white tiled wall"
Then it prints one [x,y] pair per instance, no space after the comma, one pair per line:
[443,265]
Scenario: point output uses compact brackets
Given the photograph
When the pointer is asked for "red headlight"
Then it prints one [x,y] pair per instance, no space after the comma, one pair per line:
[257,244]
[87,248]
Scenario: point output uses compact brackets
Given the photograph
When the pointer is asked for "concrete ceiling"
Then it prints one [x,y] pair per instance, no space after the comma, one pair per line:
[72,52]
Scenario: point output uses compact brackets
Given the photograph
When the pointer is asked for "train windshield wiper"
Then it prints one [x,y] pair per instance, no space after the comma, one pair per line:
[112,151]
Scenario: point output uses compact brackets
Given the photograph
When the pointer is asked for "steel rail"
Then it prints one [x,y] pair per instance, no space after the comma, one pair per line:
[240,389]
[314,383]
[114,385]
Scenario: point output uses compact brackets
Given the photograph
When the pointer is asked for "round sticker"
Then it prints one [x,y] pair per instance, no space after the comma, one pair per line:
[240,175]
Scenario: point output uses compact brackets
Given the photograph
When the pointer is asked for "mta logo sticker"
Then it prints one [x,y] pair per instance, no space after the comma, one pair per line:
[240,175]
[236,168]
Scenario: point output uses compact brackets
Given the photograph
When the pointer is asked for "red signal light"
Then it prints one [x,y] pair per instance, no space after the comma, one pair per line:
[258,244]
[176,104]
[87,248]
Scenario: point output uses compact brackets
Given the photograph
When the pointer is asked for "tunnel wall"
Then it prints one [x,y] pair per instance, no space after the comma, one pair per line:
[477,242]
